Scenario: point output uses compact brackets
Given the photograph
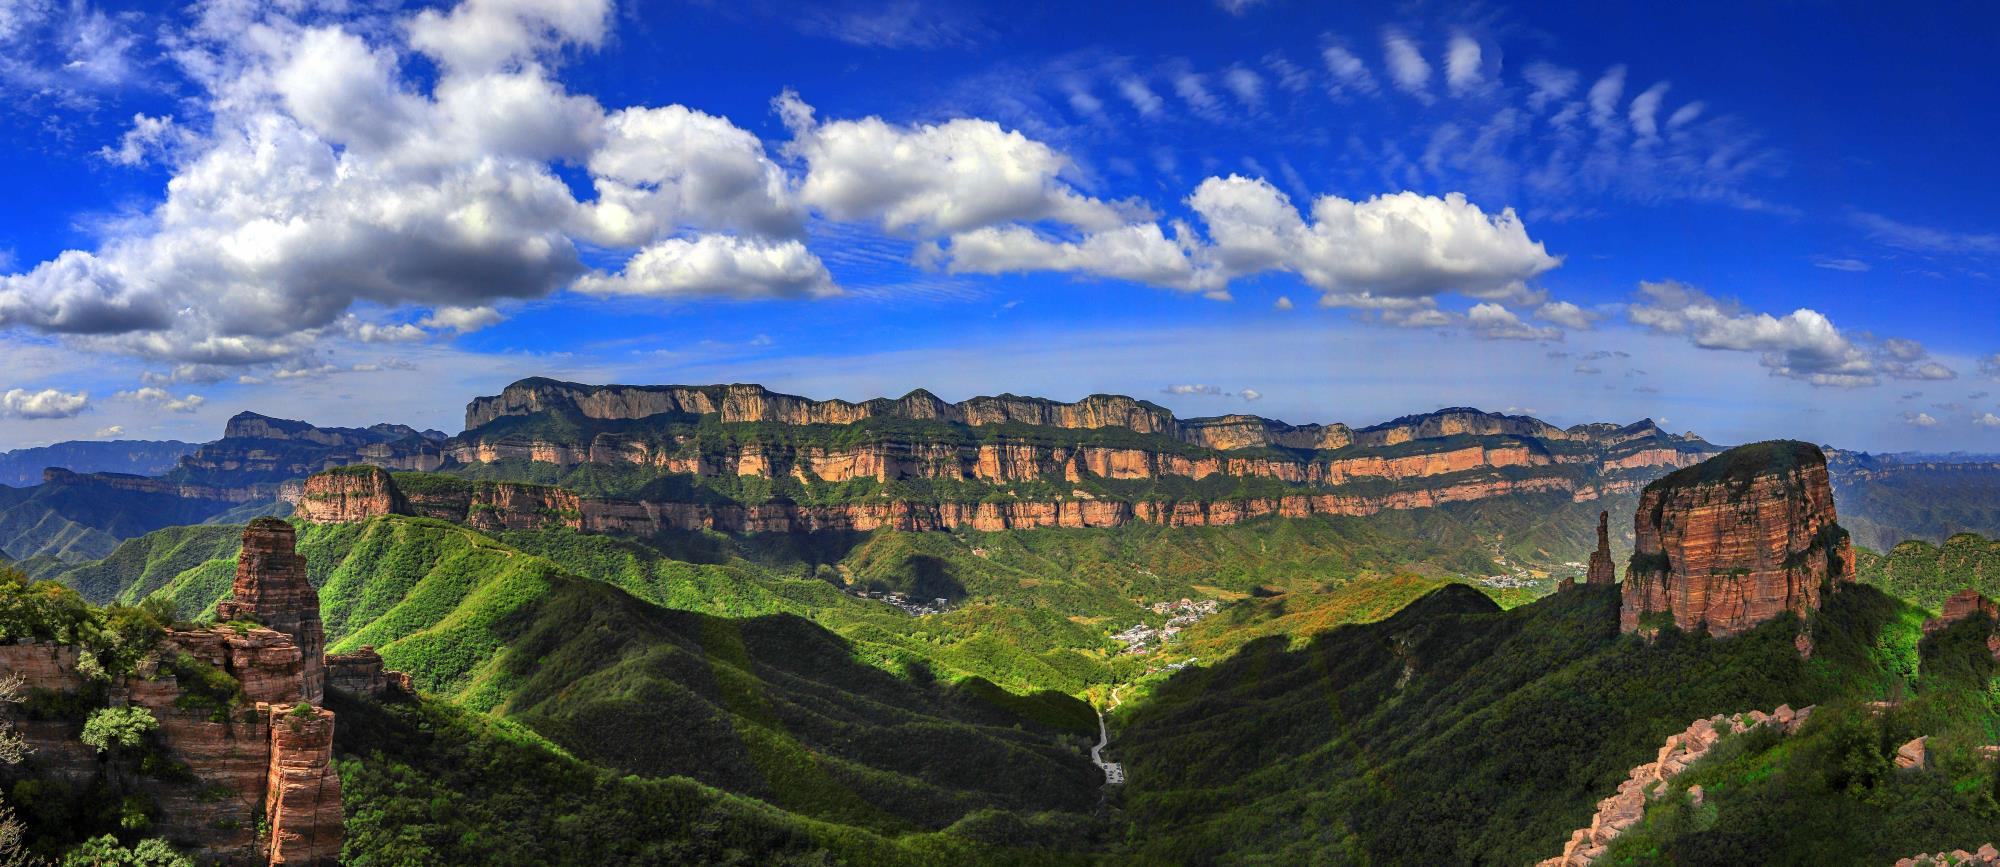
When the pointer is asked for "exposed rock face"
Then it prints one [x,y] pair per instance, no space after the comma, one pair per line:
[1914,755]
[1618,813]
[1987,856]
[1962,605]
[754,403]
[350,494]
[362,673]
[1732,542]
[229,751]
[270,761]
[301,790]
[266,662]
[272,590]
[1601,569]
[517,506]
[264,449]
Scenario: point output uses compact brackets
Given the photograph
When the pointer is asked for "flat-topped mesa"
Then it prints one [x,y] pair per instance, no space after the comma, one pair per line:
[1736,540]
[272,590]
[755,403]
[1602,570]
[350,494]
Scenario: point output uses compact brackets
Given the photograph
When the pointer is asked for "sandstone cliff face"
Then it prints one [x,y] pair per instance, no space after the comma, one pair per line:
[754,403]
[510,506]
[269,761]
[1965,605]
[349,494]
[362,673]
[268,450]
[1962,605]
[271,589]
[301,789]
[1734,541]
[229,756]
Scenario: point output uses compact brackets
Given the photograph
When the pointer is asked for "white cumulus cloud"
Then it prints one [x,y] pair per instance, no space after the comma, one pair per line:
[716,265]
[44,404]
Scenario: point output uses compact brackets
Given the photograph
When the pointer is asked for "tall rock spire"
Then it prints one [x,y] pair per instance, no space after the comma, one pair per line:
[1602,571]
[271,589]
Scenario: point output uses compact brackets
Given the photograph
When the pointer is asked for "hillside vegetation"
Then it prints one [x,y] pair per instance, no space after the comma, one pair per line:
[1927,574]
[1454,732]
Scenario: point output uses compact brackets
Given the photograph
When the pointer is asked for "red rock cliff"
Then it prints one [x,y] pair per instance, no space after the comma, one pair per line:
[301,789]
[271,589]
[270,761]
[1735,540]
[350,494]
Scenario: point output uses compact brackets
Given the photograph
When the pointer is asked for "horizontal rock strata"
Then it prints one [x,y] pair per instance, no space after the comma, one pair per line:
[1735,541]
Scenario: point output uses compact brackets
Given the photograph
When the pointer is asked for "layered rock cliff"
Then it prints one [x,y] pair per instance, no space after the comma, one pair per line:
[1734,541]
[518,506]
[262,788]
[261,449]
[234,494]
[271,589]
[741,403]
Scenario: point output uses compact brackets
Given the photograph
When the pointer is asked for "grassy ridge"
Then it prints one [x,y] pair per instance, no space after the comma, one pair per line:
[1453,732]
[773,706]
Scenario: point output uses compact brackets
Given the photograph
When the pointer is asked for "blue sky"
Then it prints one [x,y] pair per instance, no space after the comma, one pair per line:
[1747,222]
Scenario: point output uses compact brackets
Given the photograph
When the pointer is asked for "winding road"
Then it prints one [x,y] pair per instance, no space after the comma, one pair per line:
[1114,773]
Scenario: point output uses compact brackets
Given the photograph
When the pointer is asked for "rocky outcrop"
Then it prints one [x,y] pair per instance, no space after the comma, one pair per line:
[1601,569]
[260,761]
[271,589]
[1987,856]
[302,790]
[1734,541]
[362,673]
[1618,813]
[350,494]
[1963,605]
[1913,756]
[266,662]
[265,450]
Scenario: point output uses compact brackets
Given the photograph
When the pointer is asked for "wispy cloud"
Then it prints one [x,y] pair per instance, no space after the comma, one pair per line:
[1406,64]
[1924,239]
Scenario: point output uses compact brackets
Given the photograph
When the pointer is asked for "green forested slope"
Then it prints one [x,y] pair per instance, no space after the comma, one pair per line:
[1456,733]
[774,706]
[429,783]
[1928,574]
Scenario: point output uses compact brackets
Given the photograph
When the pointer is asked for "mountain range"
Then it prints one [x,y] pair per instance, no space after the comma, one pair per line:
[614,624]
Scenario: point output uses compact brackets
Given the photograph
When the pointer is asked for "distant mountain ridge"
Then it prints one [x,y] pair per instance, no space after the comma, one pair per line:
[754,403]
[23,467]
